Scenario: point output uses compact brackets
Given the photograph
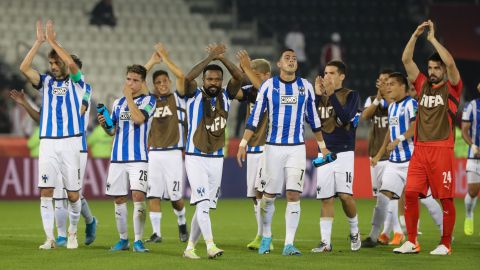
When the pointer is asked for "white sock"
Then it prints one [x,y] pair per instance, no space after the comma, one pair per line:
[74,215]
[379,216]
[435,211]
[61,213]
[353,224]
[326,229]
[203,218]
[393,208]
[258,217]
[181,219]
[156,219]
[292,217]
[403,225]
[470,204]
[121,213]
[194,232]
[267,207]
[139,217]
[389,219]
[86,213]
[48,216]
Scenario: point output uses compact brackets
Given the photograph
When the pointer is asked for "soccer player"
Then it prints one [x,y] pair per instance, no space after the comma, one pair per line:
[166,142]
[131,116]
[207,114]
[376,110]
[61,130]
[471,136]
[257,71]
[398,142]
[432,161]
[337,108]
[59,194]
[289,100]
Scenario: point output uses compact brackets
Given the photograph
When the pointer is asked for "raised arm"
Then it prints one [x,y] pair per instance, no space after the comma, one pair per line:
[31,74]
[19,98]
[235,83]
[246,65]
[179,75]
[214,51]
[407,56]
[452,71]
[370,107]
[155,59]
[62,53]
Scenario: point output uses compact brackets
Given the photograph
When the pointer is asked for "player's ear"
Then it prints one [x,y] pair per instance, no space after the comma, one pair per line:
[342,77]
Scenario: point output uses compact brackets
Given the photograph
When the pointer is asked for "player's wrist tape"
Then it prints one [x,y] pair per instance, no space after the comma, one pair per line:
[243,143]
[401,138]
[376,102]
[321,144]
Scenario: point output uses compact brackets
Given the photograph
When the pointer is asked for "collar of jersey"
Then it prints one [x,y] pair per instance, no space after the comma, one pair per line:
[280,78]
[401,100]
[436,86]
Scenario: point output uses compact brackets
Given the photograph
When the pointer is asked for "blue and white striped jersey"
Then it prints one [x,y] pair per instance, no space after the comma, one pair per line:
[85,117]
[60,113]
[287,105]
[181,116]
[130,142]
[471,114]
[194,116]
[400,116]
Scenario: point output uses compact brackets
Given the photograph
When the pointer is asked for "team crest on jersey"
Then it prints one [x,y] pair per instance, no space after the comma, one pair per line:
[288,100]
[393,121]
[59,91]
[161,112]
[219,123]
[125,116]
[301,90]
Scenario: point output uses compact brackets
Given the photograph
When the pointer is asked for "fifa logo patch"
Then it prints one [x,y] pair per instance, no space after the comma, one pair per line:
[325,112]
[432,101]
[125,116]
[288,100]
[381,122]
[59,91]
[219,123]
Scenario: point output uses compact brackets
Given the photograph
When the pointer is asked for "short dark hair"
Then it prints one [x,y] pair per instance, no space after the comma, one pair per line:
[53,54]
[77,61]
[435,57]
[138,69]
[400,78]
[342,68]
[159,73]
[386,71]
[212,67]
[282,51]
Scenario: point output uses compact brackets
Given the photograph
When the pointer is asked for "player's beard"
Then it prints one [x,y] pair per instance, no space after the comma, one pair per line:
[434,79]
[212,91]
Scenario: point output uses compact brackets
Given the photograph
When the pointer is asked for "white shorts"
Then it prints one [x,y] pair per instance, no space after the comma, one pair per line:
[394,178]
[59,162]
[254,172]
[123,177]
[59,193]
[205,176]
[336,177]
[278,159]
[376,175]
[473,171]
[165,175]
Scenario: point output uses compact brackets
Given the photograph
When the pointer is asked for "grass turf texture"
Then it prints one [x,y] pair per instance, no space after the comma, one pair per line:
[233,227]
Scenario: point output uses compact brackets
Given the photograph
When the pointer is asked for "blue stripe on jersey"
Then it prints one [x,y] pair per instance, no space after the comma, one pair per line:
[301,101]
[125,130]
[275,100]
[136,137]
[59,113]
[70,113]
[49,110]
[471,114]
[255,149]
[287,115]
[394,135]
[403,129]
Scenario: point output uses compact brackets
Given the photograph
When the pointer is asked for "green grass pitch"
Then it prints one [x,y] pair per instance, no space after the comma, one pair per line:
[233,227]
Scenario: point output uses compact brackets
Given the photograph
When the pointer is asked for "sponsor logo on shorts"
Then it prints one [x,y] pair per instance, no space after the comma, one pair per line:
[288,100]
[59,91]
[201,191]
[44,178]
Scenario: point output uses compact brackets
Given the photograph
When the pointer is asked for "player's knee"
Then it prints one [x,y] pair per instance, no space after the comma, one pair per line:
[345,197]
[46,192]
[473,190]
[138,196]
[293,196]
[73,196]
[387,193]
[120,199]
[328,202]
